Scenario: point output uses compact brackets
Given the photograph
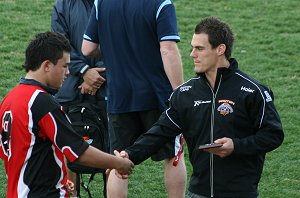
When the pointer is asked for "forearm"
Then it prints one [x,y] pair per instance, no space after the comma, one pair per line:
[98,159]
[150,142]
[268,133]
[172,62]
[263,141]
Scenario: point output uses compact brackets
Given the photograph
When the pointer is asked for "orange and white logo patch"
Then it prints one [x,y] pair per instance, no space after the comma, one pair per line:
[225,108]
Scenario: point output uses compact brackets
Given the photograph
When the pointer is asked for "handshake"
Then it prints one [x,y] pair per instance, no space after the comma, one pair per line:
[125,168]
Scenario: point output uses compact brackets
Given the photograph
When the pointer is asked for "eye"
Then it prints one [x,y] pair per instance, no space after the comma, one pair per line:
[199,48]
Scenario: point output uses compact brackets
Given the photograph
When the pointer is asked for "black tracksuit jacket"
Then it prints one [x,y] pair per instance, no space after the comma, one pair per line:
[239,108]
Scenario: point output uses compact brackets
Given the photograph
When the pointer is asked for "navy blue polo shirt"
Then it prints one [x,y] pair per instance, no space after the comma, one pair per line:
[129,33]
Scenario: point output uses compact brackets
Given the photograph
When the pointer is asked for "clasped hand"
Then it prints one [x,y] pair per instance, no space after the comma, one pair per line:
[119,173]
[92,81]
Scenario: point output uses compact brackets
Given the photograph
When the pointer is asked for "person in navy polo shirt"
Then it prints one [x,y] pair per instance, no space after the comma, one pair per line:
[138,43]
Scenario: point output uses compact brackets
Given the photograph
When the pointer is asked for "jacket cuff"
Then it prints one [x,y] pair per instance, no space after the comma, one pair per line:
[237,146]
[131,157]
[84,70]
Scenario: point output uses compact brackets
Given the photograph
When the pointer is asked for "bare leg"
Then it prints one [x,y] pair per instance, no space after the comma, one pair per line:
[175,178]
[116,188]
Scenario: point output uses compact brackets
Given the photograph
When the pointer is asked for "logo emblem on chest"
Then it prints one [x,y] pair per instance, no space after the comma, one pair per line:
[225,107]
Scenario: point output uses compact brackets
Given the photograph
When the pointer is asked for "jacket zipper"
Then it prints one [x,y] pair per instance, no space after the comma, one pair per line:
[212,120]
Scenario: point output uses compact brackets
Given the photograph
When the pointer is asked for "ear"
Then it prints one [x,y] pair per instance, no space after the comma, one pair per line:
[46,65]
[221,49]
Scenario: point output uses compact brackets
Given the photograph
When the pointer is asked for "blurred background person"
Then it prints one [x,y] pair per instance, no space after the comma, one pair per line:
[86,81]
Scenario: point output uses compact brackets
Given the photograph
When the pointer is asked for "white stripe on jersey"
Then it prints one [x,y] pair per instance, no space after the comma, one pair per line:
[23,189]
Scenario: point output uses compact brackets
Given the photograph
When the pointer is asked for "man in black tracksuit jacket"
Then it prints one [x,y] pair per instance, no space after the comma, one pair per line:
[221,105]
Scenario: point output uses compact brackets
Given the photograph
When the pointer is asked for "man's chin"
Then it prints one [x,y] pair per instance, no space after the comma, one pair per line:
[197,72]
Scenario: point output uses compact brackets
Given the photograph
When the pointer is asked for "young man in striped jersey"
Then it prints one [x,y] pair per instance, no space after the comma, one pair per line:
[35,135]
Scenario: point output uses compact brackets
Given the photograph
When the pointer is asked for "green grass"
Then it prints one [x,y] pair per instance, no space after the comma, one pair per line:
[267,46]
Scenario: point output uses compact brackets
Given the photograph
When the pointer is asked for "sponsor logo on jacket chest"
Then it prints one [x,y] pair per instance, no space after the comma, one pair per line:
[199,102]
[247,89]
[225,107]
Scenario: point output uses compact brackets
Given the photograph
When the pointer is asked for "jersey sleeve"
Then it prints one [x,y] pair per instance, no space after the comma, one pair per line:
[167,29]
[57,128]
[91,32]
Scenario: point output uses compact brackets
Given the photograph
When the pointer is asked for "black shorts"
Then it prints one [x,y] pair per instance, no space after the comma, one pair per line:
[126,128]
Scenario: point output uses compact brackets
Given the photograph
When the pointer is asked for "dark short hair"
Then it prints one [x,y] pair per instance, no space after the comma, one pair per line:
[45,46]
[218,33]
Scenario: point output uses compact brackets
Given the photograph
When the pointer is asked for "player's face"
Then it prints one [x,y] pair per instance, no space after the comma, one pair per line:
[60,71]
[205,58]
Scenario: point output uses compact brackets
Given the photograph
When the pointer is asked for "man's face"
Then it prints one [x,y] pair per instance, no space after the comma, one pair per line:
[205,58]
[58,73]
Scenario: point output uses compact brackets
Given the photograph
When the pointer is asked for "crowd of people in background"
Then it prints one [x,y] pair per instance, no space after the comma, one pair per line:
[129,69]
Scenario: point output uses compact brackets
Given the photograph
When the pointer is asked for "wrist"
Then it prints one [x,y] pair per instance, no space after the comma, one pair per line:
[84,69]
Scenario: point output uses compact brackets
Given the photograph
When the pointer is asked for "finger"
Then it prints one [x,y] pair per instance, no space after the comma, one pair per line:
[98,82]
[221,140]
[100,69]
[97,86]
[120,176]
[117,153]
[124,154]
[107,171]
[102,80]
[92,92]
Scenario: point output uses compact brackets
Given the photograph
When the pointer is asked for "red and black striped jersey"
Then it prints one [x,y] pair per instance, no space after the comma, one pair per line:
[35,137]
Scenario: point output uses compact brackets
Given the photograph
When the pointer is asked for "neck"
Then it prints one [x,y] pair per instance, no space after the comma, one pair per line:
[35,75]
[212,75]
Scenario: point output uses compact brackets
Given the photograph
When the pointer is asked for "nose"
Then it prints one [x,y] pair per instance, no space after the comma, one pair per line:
[67,71]
[192,54]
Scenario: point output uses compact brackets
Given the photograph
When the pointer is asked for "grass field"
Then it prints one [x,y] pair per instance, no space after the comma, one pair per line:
[267,46]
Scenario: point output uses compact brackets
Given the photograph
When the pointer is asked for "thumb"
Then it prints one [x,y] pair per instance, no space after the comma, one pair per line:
[117,153]
[124,154]
[221,140]
[100,69]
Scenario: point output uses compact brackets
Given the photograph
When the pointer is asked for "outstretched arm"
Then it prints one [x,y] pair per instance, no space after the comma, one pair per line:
[98,159]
